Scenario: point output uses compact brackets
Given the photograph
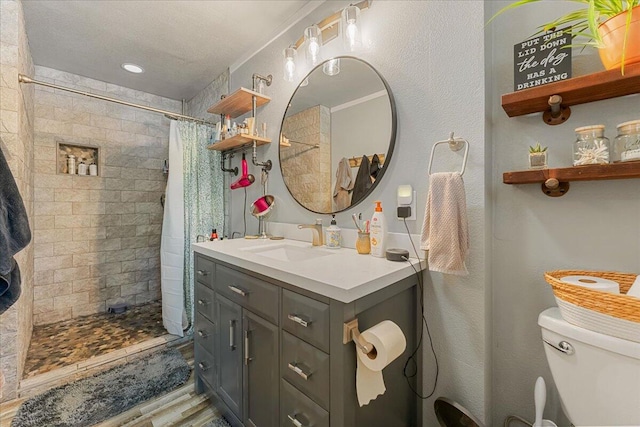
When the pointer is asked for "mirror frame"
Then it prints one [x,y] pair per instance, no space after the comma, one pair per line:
[392,137]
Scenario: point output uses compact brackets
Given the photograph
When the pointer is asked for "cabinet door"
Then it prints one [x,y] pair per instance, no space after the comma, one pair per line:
[261,371]
[229,348]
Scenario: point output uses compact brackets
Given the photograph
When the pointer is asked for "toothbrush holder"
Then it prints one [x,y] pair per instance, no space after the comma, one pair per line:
[363,243]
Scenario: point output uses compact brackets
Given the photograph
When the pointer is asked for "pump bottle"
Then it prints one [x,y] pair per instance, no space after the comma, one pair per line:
[378,230]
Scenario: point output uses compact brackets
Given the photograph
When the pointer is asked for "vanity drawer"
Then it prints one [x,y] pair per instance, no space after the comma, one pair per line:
[204,271]
[254,294]
[204,301]
[205,332]
[306,318]
[297,410]
[205,365]
[306,367]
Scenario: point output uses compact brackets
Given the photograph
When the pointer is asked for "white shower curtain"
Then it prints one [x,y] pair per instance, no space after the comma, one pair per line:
[174,316]
[194,205]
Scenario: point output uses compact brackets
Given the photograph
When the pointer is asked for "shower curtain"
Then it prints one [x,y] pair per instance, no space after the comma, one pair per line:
[193,205]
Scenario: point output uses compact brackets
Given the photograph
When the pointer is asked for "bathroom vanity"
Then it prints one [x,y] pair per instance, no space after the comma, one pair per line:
[269,331]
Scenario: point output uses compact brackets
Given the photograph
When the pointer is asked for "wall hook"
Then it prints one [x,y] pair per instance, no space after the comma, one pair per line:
[557,113]
[224,169]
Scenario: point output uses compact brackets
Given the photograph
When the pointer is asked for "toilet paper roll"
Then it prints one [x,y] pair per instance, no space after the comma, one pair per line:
[389,342]
[592,282]
[634,290]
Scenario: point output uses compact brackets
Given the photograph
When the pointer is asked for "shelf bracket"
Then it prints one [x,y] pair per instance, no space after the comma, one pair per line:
[554,188]
[557,113]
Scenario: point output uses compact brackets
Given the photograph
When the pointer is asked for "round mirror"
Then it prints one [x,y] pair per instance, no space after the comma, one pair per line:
[337,135]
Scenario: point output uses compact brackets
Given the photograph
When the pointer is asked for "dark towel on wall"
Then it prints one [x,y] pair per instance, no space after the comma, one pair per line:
[15,234]
[363,181]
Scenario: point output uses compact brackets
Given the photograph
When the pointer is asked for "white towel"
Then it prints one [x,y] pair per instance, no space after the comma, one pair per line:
[445,231]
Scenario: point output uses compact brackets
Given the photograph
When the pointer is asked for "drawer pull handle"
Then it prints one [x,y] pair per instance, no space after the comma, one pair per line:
[203,366]
[238,291]
[202,334]
[294,421]
[299,320]
[203,273]
[232,333]
[247,359]
[203,302]
[295,368]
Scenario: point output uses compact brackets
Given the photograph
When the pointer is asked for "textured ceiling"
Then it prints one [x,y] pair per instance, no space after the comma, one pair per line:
[182,45]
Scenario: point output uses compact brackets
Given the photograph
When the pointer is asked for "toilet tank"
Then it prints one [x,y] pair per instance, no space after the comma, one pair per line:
[599,381]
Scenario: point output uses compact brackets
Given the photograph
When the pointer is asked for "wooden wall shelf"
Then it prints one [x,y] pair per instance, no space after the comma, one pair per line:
[574,91]
[237,141]
[238,103]
[624,170]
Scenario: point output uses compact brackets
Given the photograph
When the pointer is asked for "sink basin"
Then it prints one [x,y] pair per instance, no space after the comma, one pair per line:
[289,252]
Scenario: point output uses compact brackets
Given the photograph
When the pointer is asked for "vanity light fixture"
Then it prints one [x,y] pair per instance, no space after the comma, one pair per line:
[350,32]
[313,43]
[289,63]
[331,67]
[133,68]
[345,21]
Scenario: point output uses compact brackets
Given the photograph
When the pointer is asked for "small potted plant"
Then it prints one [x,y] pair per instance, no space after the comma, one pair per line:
[612,26]
[537,157]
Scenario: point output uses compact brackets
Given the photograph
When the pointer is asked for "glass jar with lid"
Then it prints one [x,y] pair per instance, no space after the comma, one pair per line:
[591,146]
[627,143]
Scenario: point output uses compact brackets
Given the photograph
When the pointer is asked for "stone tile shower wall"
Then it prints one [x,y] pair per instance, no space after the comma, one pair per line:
[97,239]
[16,142]
[309,169]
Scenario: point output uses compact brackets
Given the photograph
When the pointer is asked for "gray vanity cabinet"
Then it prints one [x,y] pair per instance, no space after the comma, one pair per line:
[280,360]
[261,371]
[229,355]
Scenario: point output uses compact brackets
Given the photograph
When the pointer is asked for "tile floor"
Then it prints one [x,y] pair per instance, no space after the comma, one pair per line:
[66,343]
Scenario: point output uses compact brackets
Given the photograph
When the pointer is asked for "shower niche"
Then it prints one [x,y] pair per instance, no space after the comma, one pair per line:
[87,154]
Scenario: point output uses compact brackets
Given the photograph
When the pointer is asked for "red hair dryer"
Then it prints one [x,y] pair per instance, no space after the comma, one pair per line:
[246,179]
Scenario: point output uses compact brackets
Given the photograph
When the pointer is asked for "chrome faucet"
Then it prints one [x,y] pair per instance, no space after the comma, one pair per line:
[318,239]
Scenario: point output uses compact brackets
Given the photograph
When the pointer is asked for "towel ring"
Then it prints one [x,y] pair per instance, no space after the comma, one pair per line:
[455,144]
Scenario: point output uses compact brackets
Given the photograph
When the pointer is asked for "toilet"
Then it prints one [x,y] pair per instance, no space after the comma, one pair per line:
[597,375]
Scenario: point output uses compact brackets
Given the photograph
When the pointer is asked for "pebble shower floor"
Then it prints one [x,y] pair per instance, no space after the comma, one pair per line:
[61,344]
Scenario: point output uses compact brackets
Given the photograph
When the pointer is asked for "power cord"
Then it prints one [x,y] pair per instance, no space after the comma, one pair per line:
[423,325]
[244,212]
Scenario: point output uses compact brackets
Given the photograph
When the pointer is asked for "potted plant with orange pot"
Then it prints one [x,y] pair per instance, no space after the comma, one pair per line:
[612,26]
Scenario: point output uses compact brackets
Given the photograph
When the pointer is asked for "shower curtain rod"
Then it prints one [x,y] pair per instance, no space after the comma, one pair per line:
[25,79]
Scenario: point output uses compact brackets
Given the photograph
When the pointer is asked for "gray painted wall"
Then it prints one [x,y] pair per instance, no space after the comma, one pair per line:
[435,93]
[595,226]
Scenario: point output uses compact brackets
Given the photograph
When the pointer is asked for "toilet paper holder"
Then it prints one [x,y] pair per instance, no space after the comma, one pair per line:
[350,332]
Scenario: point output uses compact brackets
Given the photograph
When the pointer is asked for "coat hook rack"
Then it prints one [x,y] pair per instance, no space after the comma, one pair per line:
[351,332]
[557,113]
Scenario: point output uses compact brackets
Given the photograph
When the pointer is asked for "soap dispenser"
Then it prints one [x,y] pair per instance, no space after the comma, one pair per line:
[333,234]
[378,232]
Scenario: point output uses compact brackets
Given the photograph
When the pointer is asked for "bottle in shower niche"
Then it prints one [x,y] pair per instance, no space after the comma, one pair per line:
[378,231]
[82,168]
[71,164]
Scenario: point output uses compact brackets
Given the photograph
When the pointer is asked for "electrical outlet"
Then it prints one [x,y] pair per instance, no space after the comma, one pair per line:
[412,210]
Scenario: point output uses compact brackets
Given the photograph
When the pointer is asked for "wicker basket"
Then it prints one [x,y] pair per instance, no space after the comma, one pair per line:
[612,314]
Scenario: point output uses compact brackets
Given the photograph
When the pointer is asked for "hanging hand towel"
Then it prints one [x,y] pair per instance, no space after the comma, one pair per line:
[445,231]
[344,184]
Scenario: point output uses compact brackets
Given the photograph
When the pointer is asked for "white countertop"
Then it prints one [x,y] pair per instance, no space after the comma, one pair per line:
[340,274]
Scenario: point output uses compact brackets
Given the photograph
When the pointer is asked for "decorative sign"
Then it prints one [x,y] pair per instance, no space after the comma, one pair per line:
[542,60]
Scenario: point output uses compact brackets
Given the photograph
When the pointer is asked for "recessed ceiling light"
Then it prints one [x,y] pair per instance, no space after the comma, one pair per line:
[133,68]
